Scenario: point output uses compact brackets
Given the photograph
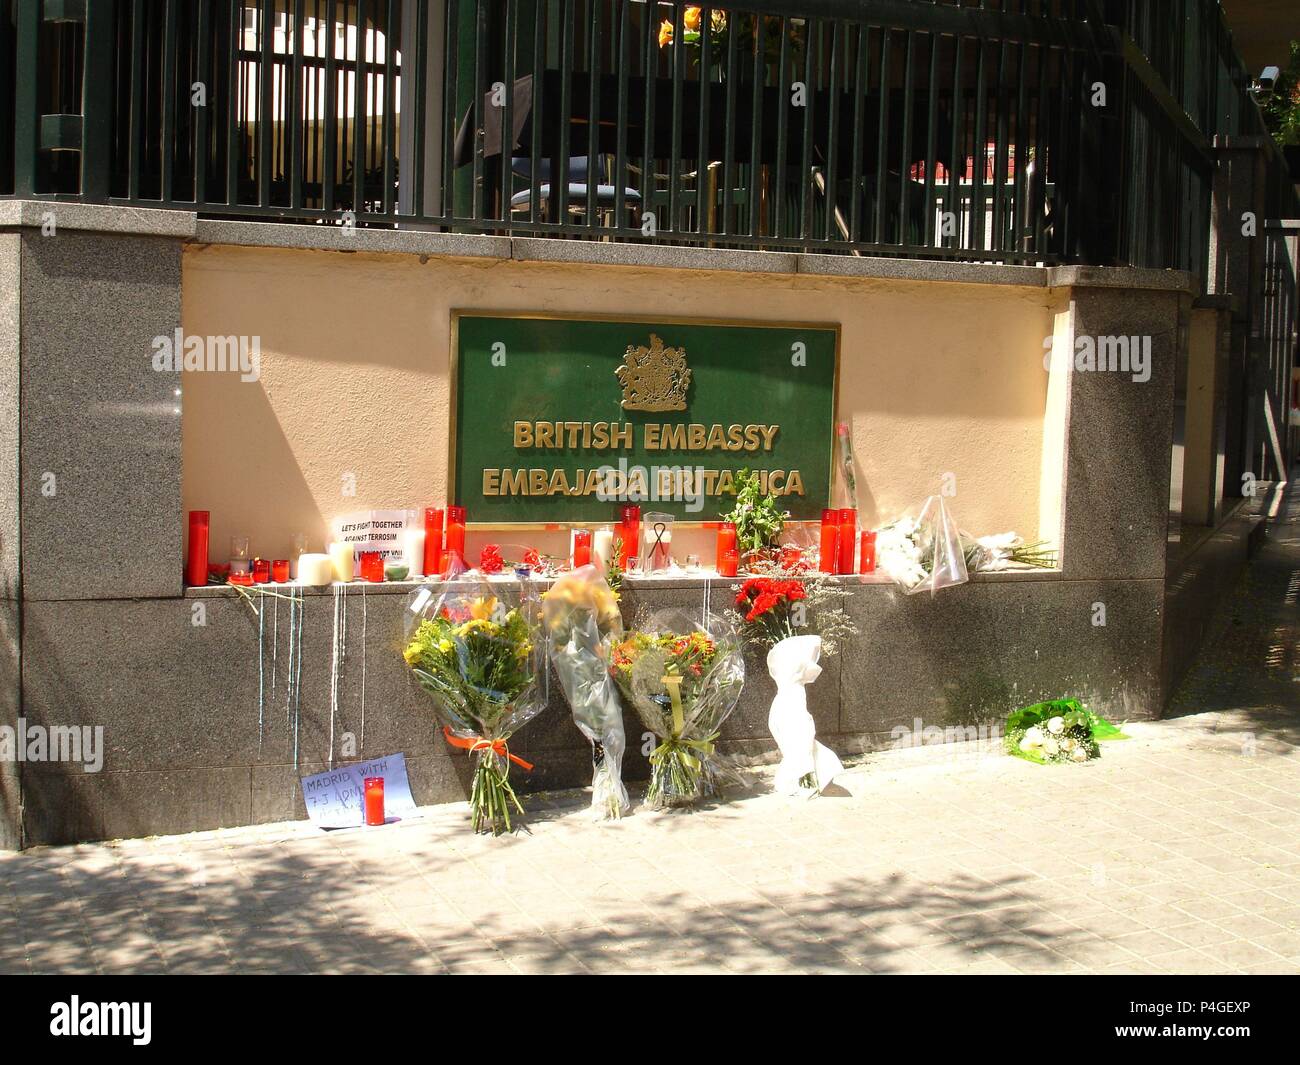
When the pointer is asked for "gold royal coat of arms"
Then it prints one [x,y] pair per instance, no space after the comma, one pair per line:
[654,378]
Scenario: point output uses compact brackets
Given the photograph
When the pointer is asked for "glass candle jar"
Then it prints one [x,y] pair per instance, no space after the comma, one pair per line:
[829,555]
[374,799]
[280,571]
[261,571]
[239,560]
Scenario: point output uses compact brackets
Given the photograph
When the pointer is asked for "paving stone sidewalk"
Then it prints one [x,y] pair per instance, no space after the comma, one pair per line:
[1178,851]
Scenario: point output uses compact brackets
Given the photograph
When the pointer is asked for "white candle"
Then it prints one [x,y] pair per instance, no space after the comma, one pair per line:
[315,570]
[413,552]
[602,546]
[344,562]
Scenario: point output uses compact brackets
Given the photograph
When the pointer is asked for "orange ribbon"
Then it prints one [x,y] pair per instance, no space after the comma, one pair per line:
[478,743]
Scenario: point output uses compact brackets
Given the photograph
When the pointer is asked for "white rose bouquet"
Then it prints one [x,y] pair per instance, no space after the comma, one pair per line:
[1060,730]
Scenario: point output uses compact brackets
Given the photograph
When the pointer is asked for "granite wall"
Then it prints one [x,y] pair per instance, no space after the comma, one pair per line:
[191,687]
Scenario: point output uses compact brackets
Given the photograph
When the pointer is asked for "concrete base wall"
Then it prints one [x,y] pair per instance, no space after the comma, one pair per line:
[200,731]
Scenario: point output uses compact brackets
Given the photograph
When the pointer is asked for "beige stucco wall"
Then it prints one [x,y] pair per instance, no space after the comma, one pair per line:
[936,378]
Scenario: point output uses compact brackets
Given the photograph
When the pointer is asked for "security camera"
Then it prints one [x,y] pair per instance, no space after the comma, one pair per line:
[1262,87]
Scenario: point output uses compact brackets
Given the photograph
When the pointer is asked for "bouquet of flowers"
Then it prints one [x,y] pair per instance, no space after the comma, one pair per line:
[478,657]
[583,625]
[773,609]
[1060,730]
[987,554]
[924,552]
[683,678]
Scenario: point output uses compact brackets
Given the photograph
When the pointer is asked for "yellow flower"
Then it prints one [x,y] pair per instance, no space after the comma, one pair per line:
[411,654]
[482,609]
[665,33]
[691,18]
[446,646]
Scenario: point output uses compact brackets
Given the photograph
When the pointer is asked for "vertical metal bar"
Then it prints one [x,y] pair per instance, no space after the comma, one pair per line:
[651,62]
[234,115]
[388,139]
[27,119]
[931,140]
[359,114]
[294,120]
[167,148]
[704,213]
[265,100]
[204,73]
[813,28]
[859,119]
[559,201]
[593,113]
[980,151]
[831,177]
[1042,128]
[730,166]
[137,101]
[782,128]
[622,60]
[450,107]
[1002,135]
[675,162]
[756,184]
[1018,209]
[97,101]
[417,52]
[905,161]
[882,140]
[535,115]
[957,154]
[330,126]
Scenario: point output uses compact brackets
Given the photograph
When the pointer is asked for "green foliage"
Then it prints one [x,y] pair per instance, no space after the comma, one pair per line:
[1080,727]
[758,518]
[1282,108]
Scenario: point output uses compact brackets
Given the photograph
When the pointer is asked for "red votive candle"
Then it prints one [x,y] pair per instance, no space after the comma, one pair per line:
[868,556]
[790,556]
[726,541]
[581,547]
[631,514]
[729,564]
[432,541]
[280,571]
[261,571]
[848,539]
[830,551]
[374,792]
[455,535]
[241,578]
[196,562]
[372,566]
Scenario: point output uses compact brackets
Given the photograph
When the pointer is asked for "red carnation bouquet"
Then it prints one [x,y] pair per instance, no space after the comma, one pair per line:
[773,609]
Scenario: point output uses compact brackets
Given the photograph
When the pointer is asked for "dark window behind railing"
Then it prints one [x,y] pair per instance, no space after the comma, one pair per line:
[901,127]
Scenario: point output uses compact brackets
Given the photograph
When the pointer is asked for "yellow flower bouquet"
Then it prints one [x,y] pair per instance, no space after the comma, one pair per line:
[478,659]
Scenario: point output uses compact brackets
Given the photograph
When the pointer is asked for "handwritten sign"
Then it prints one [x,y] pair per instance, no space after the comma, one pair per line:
[335,798]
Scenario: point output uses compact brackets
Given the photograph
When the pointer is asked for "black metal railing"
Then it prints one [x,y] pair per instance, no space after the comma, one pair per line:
[934,128]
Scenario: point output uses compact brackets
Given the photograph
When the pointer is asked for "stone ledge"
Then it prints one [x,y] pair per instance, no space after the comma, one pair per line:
[1125,277]
[611,253]
[99,218]
[335,238]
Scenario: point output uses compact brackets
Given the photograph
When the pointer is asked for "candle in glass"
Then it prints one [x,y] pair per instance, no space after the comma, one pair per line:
[848,539]
[580,553]
[196,564]
[730,563]
[631,532]
[296,552]
[413,551]
[602,547]
[239,560]
[261,571]
[280,571]
[372,566]
[455,535]
[726,540]
[868,556]
[374,792]
[830,551]
[345,566]
[432,541]
[244,578]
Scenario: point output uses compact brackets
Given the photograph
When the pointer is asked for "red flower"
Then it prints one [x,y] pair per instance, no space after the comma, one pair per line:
[532,559]
[490,560]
